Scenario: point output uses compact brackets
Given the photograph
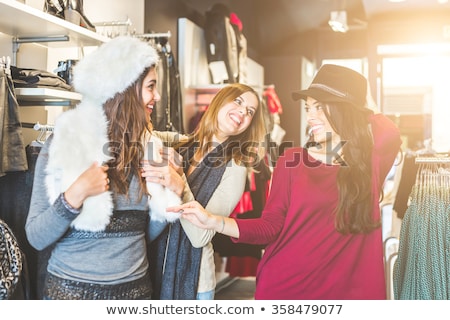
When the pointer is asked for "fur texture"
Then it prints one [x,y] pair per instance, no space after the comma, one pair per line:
[113,67]
[79,139]
[161,197]
[80,135]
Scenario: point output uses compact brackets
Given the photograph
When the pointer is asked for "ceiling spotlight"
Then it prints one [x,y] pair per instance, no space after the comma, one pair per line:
[338,21]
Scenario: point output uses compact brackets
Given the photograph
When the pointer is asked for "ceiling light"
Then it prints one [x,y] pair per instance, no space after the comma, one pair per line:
[338,21]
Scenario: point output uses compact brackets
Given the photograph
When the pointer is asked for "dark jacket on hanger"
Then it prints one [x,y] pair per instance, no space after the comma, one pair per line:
[167,114]
[12,147]
[221,43]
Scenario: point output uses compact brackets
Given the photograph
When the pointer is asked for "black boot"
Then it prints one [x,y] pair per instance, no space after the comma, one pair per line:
[73,12]
[55,8]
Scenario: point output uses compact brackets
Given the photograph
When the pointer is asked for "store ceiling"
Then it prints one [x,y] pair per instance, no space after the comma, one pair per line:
[275,23]
[283,19]
[304,15]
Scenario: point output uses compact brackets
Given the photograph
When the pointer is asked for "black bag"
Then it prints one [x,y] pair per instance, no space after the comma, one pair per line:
[11,262]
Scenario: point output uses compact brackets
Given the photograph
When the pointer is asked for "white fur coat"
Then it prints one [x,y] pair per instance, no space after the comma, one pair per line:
[80,138]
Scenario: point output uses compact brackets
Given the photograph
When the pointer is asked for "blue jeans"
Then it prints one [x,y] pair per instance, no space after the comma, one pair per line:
[208,295]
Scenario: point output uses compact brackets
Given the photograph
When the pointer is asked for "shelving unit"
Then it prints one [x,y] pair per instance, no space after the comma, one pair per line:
[202,95]
[46,97]
[26,24]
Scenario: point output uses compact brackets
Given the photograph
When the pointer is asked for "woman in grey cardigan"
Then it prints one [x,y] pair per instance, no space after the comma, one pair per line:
[89,199]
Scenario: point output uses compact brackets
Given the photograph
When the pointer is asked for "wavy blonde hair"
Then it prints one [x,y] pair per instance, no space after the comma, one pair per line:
[246,148]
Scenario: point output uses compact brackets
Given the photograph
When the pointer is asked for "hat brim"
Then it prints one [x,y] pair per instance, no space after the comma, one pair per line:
[317,94]
[324,96]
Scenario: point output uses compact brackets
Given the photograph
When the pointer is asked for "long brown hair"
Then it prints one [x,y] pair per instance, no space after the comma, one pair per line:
[245,148]
[128,121]
[354,213]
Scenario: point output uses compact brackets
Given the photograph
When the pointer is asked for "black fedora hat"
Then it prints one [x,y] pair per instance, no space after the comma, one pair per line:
[334,83]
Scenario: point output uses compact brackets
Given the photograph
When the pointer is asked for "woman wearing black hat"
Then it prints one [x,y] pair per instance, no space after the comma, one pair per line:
[321,223]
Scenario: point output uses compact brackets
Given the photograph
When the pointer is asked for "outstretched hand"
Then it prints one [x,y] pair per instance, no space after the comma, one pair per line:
[196,214]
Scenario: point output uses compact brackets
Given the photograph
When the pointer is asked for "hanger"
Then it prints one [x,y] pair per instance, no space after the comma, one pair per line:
[5,63]
[43,134]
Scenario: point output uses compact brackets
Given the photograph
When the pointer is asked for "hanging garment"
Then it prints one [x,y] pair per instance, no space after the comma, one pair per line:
[407,180]
[167,114]
[243,258]
[272,99]
[422,268]
[12,147]
[221,45]
[15,195]
[242,47]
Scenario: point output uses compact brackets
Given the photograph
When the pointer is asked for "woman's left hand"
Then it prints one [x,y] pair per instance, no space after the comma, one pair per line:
[166,176]
[174,158]
[195,213]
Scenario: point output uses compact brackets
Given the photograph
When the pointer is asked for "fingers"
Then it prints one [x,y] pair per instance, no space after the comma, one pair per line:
[179,209]
[185,207]
[158,175]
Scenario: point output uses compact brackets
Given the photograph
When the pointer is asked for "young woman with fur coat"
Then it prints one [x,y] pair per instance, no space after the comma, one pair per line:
[90,199]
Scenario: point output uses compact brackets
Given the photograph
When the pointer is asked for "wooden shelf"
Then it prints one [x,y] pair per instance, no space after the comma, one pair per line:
[46,96]
[22,21]
[26,24]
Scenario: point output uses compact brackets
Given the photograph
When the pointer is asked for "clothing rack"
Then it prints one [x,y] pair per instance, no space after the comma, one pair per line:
[113,23]
[116,28]
[423,242]
[154,35]
[434,159]
[44,131]
[37,126]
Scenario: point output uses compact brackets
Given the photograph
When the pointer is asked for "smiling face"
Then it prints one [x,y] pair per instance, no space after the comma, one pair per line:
[150,94]
[235,116]
[318,122]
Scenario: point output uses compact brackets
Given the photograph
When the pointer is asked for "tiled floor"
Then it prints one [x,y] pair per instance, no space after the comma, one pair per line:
[236,289]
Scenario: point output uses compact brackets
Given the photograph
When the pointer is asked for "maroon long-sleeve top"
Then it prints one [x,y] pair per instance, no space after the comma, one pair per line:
[305,257]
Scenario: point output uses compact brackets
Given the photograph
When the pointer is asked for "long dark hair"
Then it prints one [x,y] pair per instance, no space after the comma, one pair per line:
[354,213]
[128,121]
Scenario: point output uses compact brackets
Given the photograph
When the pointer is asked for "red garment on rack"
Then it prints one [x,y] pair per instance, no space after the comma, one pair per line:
[241,266]
[246,265]
[245,204]
[273,102]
